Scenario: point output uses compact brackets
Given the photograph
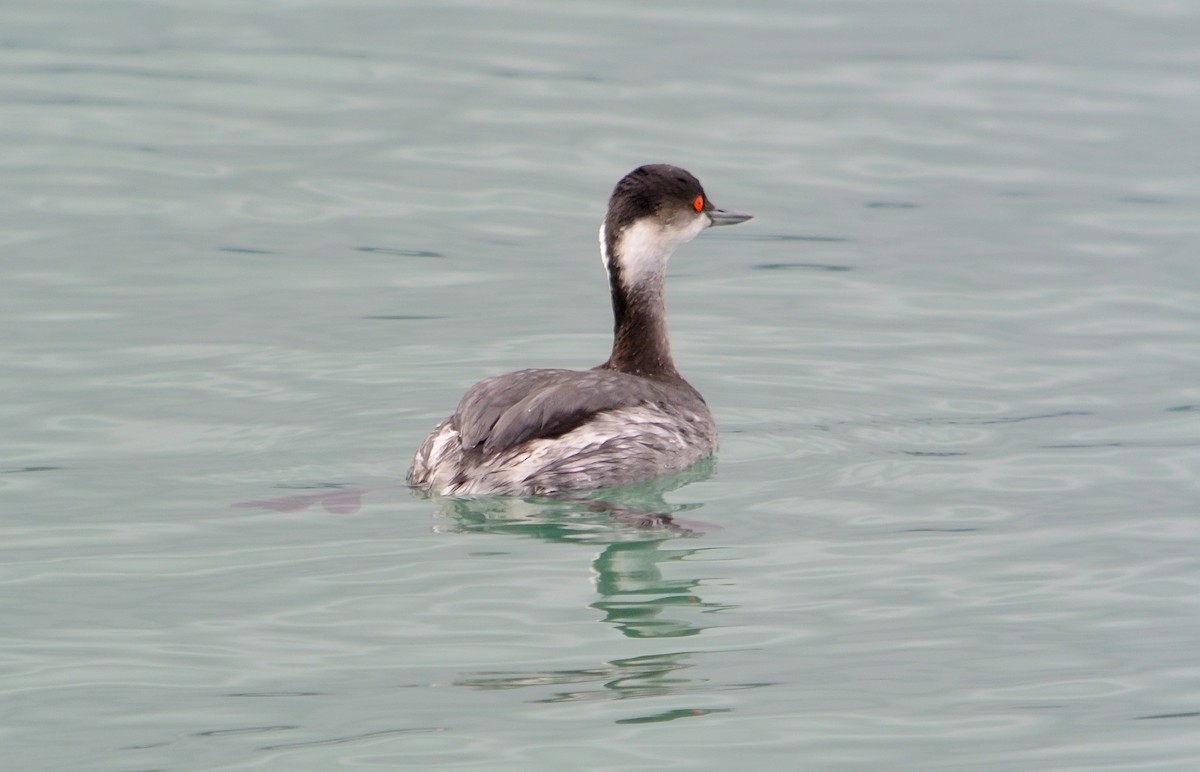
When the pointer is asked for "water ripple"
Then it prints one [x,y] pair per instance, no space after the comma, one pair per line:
[254,251]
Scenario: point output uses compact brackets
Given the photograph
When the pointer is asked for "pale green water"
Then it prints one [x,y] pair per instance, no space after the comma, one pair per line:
[253,255]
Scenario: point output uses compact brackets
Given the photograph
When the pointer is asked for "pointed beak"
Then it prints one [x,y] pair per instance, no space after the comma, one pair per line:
[724,217]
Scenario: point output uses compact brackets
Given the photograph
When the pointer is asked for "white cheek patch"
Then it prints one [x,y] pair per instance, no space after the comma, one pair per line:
[645,247]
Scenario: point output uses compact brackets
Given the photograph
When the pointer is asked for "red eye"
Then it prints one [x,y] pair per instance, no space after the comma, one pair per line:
[698,204]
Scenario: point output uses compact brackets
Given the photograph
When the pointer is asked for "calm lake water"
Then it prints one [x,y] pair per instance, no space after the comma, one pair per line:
[253,251]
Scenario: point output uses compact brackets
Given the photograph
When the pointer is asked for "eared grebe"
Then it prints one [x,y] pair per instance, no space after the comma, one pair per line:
[536,432]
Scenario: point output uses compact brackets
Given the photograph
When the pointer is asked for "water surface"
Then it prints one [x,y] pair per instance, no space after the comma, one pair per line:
[251,253]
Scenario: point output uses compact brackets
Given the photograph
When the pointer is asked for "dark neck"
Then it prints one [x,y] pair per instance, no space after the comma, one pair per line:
[640,342]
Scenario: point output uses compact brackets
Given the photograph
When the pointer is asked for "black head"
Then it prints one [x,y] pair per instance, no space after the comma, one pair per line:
[669,196]
[656,190]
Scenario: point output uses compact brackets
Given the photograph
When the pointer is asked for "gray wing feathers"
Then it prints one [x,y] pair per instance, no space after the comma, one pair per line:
[507,410]
[485,402]
[534,432]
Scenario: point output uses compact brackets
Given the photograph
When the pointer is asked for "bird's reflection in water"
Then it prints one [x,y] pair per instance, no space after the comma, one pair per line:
[657,675]
[637,599]
[633,526]
[634,513]
[634,523]
[635,596]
